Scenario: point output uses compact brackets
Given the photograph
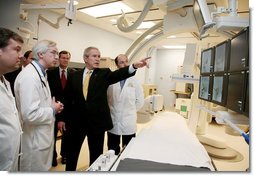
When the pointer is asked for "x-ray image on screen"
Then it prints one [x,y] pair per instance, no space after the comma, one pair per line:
[204,88]
[206,61]
[220,57]
[217,88]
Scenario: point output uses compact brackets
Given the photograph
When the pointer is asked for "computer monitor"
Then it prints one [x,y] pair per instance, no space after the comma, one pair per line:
[207,60]
[219,89]
[235,91]
[204,88]
[239,51]
[221,53]
[246,98]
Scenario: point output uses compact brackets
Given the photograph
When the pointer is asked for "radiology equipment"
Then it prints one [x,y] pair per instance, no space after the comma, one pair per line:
[231,119]
[183,105]
[70,14]
[216,146]
[152,105]
[104,162]
[194,16]
[159,147]
[162,147]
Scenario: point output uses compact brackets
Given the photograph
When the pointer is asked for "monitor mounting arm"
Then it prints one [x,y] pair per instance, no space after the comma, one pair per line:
[70,11]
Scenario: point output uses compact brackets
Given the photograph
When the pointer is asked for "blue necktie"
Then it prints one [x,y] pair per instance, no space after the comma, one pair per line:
[122,83]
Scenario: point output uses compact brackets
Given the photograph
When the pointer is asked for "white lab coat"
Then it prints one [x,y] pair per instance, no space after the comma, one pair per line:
[10,130]
[124,104]
[34,105]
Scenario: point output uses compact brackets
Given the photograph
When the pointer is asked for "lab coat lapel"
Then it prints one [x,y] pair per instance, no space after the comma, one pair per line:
[46,89]
[8,89]
[8,92]
[124,87]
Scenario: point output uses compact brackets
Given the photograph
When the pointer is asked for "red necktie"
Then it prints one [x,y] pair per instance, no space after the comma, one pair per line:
[63,79]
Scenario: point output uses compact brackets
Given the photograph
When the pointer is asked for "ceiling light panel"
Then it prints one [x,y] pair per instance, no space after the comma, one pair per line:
[107,9]
[146,25]
[174,46]
[75,2]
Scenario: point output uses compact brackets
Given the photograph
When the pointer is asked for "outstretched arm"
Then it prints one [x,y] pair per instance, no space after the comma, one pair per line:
[141,63]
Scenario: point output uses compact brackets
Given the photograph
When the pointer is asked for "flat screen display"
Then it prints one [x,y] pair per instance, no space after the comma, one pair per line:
[221,57]
[204,88]
[239,51]
[235,91]
[246,104]
[217,89]
[206,60]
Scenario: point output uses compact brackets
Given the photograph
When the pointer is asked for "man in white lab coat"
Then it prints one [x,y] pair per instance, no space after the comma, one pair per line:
[10,127]
[37,109]
[125,98]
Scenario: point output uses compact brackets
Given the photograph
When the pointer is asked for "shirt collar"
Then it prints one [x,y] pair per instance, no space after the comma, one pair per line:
[86,70]
[41,67]
[60,69]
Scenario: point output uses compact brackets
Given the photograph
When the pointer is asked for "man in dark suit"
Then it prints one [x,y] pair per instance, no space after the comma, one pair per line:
[88,107]
[57,79]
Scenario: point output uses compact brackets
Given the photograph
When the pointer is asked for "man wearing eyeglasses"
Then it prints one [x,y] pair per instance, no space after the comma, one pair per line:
[37,109]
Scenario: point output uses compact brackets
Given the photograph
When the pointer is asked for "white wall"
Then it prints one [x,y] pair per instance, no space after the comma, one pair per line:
[77,36]
[166,65]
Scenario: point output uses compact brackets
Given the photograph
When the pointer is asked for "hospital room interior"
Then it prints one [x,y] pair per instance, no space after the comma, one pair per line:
[196,89]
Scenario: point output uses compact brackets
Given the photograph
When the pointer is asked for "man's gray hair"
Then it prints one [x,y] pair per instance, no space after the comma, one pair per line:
[87,51]
[42,47]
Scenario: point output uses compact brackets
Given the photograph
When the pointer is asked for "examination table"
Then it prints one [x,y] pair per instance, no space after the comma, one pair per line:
[166,145]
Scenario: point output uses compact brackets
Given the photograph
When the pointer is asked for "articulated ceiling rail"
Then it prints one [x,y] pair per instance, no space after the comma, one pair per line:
[144,44]
[142,37]
[121,22]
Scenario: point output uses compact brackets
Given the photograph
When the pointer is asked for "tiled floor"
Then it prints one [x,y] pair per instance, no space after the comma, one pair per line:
[235,142]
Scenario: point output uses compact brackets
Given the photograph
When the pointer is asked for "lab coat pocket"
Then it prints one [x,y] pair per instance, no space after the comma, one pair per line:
[44,137]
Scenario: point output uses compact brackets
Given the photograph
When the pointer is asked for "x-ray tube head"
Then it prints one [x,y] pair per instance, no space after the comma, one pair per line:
[201,6]
[202,16]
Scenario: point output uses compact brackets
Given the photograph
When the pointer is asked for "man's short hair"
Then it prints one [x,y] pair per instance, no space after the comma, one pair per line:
[6,35]
[87,51]
[116,59]
[27,53]
[41,47]
[64,52]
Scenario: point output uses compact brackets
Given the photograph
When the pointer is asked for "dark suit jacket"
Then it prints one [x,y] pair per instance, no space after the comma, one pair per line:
[54,81]
[92,114]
